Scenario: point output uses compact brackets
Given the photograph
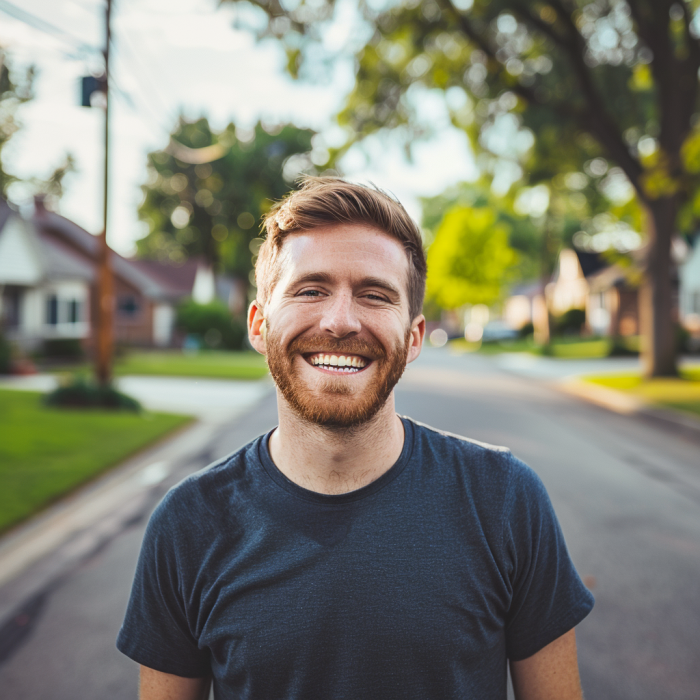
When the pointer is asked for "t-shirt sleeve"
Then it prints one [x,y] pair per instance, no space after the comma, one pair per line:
[155,631]
[548,596]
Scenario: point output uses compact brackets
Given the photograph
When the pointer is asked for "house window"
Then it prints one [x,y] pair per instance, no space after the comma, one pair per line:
[73,311]
[52,310]
[128,306]
[11,305]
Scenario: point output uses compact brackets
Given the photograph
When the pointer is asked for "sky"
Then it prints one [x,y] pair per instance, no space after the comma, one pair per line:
[186,57]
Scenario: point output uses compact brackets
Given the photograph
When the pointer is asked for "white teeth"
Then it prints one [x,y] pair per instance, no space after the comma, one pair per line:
[351,362]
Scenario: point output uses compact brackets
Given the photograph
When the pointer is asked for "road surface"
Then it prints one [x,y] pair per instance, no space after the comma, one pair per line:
[627,493]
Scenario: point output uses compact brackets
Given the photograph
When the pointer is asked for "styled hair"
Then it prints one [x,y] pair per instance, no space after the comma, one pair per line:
[323,201]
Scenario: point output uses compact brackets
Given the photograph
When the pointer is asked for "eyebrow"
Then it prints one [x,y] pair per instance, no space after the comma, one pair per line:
[325,278]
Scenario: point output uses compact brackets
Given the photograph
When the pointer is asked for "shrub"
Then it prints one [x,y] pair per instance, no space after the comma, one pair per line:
[212,323]
[527,330]
[623,347]
[570,322]
[81,392]
[683,339]
[5,355]
[63,349]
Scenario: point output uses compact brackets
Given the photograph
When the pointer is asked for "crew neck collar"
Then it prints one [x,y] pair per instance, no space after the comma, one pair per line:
[263,454]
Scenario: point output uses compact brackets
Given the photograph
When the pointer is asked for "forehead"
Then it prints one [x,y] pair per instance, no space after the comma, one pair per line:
[344,250]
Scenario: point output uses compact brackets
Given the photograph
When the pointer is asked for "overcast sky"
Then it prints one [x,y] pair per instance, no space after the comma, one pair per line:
[175,56]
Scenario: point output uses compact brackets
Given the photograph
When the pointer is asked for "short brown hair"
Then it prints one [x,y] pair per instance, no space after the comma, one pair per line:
[331,200]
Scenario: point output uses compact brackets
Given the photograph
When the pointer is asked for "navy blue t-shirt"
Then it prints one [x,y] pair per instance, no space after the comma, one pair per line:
[419,585]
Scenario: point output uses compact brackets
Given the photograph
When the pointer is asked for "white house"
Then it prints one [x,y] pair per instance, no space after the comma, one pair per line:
[44,287]
[689,289]
[48,274]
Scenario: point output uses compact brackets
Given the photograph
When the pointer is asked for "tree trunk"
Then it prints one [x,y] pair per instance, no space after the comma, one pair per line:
[655,296]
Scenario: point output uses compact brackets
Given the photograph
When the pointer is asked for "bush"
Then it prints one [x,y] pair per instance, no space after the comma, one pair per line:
[63,349]
[527,330]
[623,347]
[683,339]
[570,322]
[5,356]
[81,392]
[212,323]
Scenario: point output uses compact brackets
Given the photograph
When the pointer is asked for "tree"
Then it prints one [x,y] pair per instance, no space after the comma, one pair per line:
[13,93]
[469,258]
[524,235]
[207,191]
[608,88]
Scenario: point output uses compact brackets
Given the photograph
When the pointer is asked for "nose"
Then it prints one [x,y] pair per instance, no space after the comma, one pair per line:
[339,317]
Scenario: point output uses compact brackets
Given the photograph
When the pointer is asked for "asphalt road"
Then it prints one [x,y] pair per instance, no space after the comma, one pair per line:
[627,493]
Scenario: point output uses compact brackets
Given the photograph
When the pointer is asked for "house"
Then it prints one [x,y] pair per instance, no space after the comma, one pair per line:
[569,287]
[612,304]
[45,287]
[689,289]
[519,308]
[48,275]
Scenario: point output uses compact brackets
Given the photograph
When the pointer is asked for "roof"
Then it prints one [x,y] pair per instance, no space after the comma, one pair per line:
[590,262]
[51,225]
[613,276]
[178,279]
[59,260]
[527,289]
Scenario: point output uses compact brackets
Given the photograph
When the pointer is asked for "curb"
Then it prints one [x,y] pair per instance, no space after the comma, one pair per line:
[626,404]
[36,554]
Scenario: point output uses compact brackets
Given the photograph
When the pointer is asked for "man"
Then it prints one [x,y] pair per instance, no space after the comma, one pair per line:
[352,553]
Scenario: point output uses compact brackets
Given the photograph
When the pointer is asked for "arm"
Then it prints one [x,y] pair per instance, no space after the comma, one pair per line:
[155,685]
[550,674]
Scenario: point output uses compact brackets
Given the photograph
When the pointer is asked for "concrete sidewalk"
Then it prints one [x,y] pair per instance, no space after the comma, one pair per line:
[208,399]
[567,376]
[35,553]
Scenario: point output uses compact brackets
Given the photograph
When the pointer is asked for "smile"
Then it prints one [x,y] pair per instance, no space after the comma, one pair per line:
[340,364]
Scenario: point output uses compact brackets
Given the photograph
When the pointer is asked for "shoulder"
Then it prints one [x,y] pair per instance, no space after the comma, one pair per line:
[466,452]
[488,469]
[200,500]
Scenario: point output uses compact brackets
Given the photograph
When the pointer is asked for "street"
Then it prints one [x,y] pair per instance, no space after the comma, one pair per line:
[627,493]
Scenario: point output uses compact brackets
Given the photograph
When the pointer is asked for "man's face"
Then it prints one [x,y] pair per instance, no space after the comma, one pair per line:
[338,329]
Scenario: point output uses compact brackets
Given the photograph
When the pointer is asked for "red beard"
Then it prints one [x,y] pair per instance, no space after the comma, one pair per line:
[335,403]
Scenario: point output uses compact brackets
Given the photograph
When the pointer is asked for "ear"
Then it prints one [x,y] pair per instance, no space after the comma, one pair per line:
[257,327]
[416,339]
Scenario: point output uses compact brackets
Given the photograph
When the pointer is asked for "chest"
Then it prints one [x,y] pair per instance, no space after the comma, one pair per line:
[339,592]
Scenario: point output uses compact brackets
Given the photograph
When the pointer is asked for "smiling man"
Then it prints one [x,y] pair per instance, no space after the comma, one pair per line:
[352,553]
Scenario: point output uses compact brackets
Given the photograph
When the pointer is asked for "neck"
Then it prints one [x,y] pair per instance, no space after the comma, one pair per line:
[336,460]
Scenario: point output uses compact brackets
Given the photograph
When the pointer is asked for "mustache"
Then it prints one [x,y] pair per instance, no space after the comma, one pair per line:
[350,346]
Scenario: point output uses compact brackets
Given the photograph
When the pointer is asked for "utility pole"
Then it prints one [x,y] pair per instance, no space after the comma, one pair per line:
[105,282]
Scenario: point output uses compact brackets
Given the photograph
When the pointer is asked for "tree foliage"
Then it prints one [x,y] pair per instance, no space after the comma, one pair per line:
[469,259]
[605,89]
[15,90]
[207,191]
[13,93]
[524,235]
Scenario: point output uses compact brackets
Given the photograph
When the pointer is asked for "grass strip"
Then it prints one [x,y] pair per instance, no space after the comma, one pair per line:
[174,363]
[679,394]
[46,452]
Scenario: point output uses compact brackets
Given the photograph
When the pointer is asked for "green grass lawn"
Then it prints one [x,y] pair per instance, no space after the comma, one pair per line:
[46,452]
[681,394]
[174,363]
[565,348]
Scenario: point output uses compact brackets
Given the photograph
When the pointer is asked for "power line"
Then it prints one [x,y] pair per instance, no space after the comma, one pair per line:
[163,109]
[43,26]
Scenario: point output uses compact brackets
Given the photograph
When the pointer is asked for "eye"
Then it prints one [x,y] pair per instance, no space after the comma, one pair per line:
[374,297]
[309,293]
